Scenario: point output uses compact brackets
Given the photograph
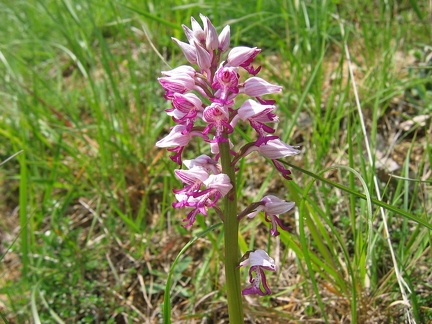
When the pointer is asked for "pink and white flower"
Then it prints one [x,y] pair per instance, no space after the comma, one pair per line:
[226,81]
[258,261]
[217,186]
[188,50]
[177,139]
[256,87]
[276,149]
[217,116]
[186,109]
[193,178]
[243,56]
[224,39]
[273,206]
[178,83]
[257,114]
[205,162]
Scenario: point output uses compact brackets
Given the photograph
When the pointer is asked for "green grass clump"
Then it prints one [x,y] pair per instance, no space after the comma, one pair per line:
[87,230]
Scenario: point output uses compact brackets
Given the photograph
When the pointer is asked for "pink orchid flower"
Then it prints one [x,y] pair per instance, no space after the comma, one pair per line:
[272,207]
[258,261]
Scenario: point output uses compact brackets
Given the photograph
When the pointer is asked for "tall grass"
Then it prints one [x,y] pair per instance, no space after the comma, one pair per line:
[88,233]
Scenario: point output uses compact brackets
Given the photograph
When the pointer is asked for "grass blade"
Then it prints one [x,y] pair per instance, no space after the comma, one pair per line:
[362,196]
[167,301]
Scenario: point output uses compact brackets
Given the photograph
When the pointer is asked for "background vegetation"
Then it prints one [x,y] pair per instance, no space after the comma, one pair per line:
[87,231]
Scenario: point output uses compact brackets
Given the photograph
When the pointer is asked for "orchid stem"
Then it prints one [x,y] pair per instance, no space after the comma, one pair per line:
[231,225]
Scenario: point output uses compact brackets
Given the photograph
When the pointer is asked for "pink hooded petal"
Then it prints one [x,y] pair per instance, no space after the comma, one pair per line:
[251,108]
[189,33]
[186,102]
[255,87]
[215,112]
[276,149]
[212,41]
[182,69]
[198,32]
[224,38]
[191,176]
[241,54]
[188,50]
[205,162]
[262,259]
[203,58]
[276,206]
[220,181]
[175,138]
[178,83]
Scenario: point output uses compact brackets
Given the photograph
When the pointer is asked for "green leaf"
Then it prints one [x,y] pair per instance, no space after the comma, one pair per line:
[362,196]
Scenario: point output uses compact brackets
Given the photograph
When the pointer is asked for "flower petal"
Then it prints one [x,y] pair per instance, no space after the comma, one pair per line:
[256,87]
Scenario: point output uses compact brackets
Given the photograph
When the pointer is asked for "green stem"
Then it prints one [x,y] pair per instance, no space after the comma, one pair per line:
[231,224]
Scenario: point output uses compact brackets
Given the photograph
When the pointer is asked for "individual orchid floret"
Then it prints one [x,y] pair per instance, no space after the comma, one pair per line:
[178,83]
[188,50]
[256,87]
[205,162]
[253,111]
[270,147]
[272,206]
[258,261]
[257,115]
[224,39]
[204,60]
[276,149]
[177,139]
[217,186]
[226,81]
[187,102]
[211,41]
[243,56]
[193,178]
[217,116]
[187,108]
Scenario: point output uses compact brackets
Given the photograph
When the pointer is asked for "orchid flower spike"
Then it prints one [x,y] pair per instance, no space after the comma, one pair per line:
[203,98]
